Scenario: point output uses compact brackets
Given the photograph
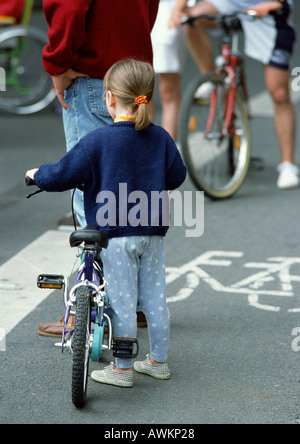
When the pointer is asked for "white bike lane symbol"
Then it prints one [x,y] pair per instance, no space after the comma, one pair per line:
[275,270]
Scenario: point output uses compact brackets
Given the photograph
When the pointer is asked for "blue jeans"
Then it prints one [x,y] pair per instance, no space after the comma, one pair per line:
[87,112]
[134,268]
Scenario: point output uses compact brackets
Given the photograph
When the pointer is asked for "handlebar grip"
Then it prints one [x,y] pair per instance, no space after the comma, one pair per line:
[184,20]
[29,182]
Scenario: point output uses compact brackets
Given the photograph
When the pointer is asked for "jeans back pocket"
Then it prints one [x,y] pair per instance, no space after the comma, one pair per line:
[97,97]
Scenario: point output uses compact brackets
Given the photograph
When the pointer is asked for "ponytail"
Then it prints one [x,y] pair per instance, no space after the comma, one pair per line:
[142,114]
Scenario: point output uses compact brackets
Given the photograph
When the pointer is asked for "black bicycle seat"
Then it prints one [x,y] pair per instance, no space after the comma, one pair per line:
[89,235]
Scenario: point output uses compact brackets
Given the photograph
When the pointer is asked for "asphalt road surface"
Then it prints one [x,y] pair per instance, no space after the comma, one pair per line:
[234,296]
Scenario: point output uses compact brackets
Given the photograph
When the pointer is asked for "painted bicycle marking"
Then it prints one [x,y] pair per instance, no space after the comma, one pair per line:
[275,272]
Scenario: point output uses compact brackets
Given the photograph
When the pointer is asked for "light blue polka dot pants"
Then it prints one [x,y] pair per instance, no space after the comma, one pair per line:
[134,268]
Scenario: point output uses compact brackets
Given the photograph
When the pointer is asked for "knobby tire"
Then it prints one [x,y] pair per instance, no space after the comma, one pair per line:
[81,347]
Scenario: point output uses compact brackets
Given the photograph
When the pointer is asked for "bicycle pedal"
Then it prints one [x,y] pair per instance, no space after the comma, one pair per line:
[125,348]
[51,281]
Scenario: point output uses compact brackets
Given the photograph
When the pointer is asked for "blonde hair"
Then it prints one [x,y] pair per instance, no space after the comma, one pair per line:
[129,80]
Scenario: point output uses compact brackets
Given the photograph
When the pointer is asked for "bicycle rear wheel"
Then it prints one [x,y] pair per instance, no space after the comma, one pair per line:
[217,163]
[27,87]
[81,347]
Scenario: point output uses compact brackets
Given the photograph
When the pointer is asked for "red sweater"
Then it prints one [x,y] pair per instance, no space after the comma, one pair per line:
[89,36]
[13,8]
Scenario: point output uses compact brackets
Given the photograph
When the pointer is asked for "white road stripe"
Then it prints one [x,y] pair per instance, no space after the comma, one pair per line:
[19,294]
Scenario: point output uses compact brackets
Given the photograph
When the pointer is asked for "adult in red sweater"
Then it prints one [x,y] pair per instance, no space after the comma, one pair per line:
[86,37]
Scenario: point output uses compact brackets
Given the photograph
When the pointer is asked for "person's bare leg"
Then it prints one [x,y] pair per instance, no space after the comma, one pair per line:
[169,88]
[277,82]
[198,41]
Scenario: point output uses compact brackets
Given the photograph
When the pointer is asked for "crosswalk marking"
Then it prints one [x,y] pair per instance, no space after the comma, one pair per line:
[19,295]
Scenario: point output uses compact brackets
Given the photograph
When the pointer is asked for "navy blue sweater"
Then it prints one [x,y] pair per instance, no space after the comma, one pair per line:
[122,170]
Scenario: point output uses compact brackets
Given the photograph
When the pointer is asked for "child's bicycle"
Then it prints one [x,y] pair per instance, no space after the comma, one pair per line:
[87,301]
[25,86]
[214,128]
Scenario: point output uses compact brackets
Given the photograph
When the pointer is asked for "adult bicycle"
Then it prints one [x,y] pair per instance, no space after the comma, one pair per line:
[87,301]
[214,128]
[26,87]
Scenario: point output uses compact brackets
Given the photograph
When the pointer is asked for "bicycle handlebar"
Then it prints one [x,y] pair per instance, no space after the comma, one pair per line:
[29,183]
[219,18]
[189,20]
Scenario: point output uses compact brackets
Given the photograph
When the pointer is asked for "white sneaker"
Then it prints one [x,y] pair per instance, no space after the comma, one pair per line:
[204,91]
[288,176]
[157,371]
[112,377]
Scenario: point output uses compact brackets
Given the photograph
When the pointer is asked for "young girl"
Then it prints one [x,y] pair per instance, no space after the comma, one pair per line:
[119,165]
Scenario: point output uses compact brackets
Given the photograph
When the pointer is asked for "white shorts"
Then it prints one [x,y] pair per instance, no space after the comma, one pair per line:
[169,47]
[269,40]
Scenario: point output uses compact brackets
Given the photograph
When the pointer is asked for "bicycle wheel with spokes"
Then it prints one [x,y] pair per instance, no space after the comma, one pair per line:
[81,347]
[217,162]
[27,88]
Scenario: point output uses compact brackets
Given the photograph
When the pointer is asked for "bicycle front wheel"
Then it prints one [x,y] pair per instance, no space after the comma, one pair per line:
[81,347]
[26,88]
[217,160]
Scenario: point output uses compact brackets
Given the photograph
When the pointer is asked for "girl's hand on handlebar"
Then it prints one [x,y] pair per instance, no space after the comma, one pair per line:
[263,9]
[31,173]
[29,181]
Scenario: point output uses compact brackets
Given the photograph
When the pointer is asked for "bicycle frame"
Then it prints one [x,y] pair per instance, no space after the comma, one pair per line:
[229,69]
[229,64]
[90,276]
[27,12]
[87,301]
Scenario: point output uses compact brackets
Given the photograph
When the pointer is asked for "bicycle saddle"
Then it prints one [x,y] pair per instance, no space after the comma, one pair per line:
[89,235]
